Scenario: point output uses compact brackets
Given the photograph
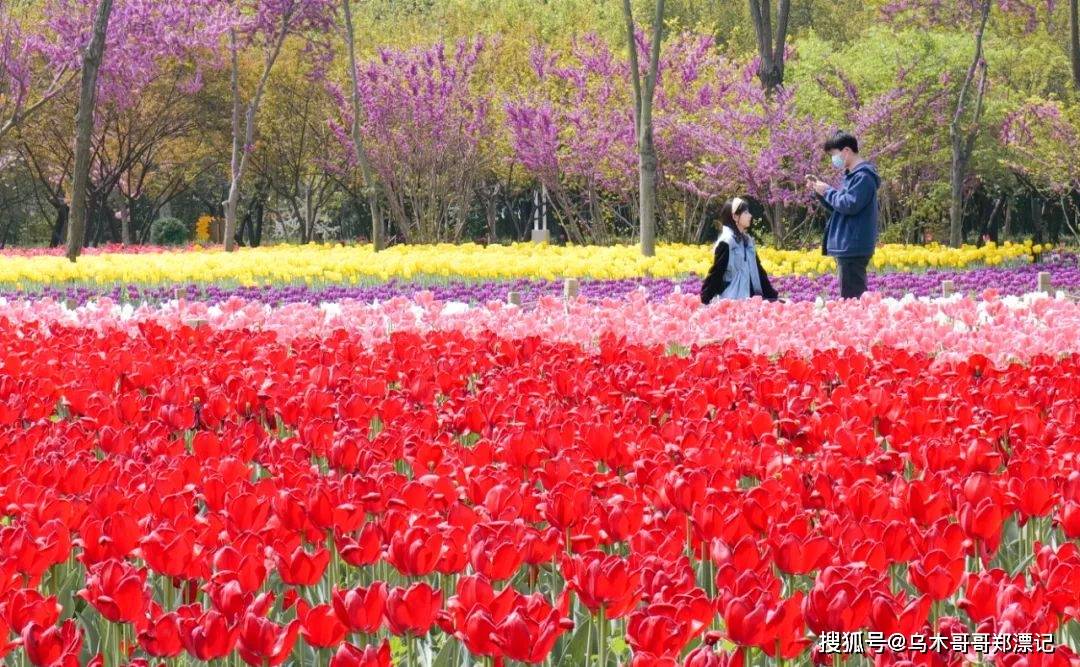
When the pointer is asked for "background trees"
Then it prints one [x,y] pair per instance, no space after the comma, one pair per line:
[471,113]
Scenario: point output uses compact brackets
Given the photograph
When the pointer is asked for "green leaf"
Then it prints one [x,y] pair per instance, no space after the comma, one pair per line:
[397,649]
[618,645]
[446,654]
[574,654]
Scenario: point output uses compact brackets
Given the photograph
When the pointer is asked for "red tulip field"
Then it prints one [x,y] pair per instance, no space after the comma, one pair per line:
[185,494]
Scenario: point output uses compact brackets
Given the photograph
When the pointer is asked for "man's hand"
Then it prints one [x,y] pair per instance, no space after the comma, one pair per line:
[817,185]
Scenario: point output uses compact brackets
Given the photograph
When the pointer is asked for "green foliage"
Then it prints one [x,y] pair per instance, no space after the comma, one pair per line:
[169,231]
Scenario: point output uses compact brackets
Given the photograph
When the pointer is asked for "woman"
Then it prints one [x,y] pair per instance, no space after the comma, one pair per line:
[736,272]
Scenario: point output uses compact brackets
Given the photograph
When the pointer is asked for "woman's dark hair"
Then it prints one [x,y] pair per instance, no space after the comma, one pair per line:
[727,216]
[840,141]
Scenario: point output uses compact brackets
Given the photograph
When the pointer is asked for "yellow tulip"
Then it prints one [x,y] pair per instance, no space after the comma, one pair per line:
[355,264]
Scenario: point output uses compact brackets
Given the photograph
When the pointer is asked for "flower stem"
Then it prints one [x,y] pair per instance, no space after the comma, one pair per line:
[602,636]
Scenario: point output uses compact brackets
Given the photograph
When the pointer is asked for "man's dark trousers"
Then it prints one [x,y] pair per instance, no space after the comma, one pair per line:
[852,272]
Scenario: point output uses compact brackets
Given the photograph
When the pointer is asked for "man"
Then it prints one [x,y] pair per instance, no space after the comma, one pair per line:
[852,230]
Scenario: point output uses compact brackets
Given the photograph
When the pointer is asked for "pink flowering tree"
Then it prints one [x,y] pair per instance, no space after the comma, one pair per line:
[758,144]
[118,47]
[426,116]
[27,81]
[717,135]
[575,133]
[142,37]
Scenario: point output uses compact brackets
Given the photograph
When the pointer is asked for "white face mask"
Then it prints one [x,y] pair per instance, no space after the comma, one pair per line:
[838,160]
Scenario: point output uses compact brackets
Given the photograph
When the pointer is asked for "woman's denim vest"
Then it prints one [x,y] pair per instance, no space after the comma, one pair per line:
[742,277]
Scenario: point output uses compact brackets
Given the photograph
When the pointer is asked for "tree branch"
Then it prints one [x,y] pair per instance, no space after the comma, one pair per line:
[635,71]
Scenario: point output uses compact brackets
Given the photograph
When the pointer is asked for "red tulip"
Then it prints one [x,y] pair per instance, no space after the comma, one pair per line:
[113,538]
[352,656]
[361,609]
[745,621]
[246,570]
[659,631]
[662,579]
[161,637]
[230,599]
[622,518]
[497,552]
[477,632]
[840,600]
[301,568]
[983,521]
[797,551]
[169,552]
[117,590]
[1058,571]
[530,631]
[412,610]
[566,505]
[602,581]
[476,615]
[455,553]
[706,656]
[6,644]
[205,634]
[1069,519]
[415,551]
[319,625]
[541,547]
[25,606]
[937,574]
[365,549]
[1033,497]
[787,629]
[895,615]
[53,646]
[263,642]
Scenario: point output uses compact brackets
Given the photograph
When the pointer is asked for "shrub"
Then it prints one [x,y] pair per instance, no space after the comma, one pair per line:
[169,231]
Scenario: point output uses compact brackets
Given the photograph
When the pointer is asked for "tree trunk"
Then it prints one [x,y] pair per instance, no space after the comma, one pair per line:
[233,199]
[240,151]
[4,234]
[1072,225]
[125,224]
[1074,40]
[643,126]
[84,128]
[310,213]
[371,185]
[490,203]
[989,228]
[245,226]
[256,232]
[1006,229]
[777,224]
[956,200]
[59,227]
[1037,207]
[963,139]
[770,48]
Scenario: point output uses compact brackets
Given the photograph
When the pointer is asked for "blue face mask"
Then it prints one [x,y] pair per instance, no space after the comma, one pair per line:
[838,161]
